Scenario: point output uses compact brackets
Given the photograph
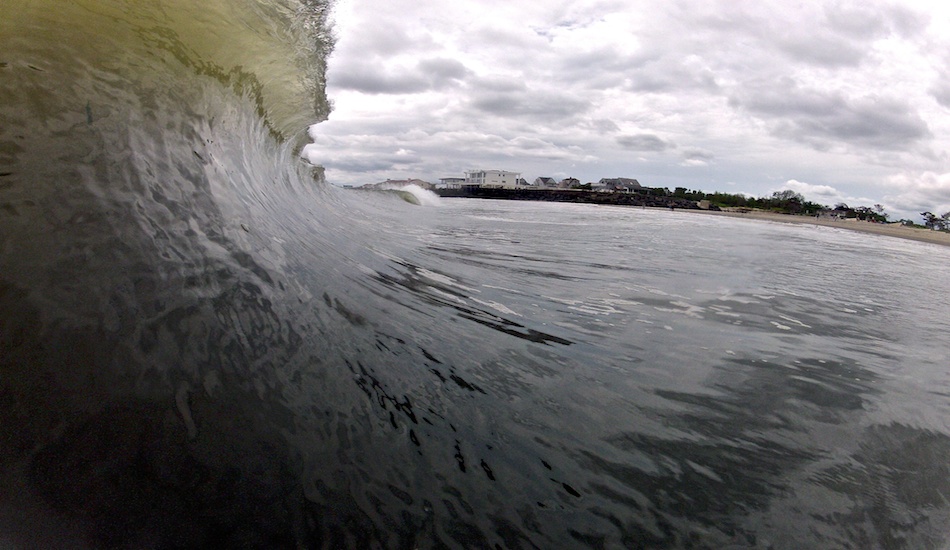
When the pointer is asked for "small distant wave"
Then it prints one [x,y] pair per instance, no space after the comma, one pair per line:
[423,196]
[411,193]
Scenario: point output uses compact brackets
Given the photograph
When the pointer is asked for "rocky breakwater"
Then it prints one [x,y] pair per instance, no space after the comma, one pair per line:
[569,195]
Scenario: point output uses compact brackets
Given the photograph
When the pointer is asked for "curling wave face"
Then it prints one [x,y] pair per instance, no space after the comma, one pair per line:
[145,318]
[201,343]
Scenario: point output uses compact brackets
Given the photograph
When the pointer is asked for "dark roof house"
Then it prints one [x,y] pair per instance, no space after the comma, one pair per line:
[619,184]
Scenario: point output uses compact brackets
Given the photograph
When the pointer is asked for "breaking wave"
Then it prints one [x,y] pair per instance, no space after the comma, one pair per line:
[422,197]
[170,288]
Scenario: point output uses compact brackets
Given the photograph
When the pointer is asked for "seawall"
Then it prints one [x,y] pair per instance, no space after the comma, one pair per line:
[568,195]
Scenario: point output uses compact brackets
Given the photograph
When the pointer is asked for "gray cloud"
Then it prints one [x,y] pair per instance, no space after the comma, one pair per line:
[941,91]
[822,118]
[696,157]
[441,69]
[492,37]
[379,160]
[784,98]
[829,34]
[906,22]
[603,66]
[665,76]
[604,126]
[843,34]
[856,20]
[373,80]
[379,37]
[429,74]
[352,164]
[823,48]
[697,154]
[495,83]
[644,142]
[540,105]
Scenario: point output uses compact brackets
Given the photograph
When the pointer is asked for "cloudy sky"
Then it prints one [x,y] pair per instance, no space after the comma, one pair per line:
[840,101]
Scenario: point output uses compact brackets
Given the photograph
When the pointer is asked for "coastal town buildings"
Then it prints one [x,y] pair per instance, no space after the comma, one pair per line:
[508,180]
[503,179]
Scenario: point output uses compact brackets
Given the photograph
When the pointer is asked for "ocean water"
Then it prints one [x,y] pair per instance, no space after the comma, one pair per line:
[202,344]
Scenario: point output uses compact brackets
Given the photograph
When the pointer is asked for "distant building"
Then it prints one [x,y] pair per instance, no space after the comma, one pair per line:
[568,183]
[492,178]
[545,181]
[451,183]
[618,184]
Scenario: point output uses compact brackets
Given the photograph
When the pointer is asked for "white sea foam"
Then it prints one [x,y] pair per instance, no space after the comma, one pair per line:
[497,306]
[424,196]
[795,321]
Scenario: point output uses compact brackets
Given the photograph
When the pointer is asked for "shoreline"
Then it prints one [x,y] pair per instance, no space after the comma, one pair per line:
[887,230]
[682,205]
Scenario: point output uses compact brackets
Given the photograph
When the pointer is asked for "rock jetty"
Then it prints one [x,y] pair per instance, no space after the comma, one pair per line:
[570,195]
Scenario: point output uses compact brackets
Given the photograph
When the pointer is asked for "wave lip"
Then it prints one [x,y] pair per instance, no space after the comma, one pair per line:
[420,196]
[150,206]
[273,51]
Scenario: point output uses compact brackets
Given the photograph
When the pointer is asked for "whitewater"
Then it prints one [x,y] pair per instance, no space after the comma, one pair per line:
[202,344]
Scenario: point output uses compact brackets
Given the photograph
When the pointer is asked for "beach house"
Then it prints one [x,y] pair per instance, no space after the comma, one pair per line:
[617,184]
[492,178]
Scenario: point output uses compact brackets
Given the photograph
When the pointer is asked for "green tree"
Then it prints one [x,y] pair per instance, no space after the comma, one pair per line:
[788,195]
[787,200]
[934,222]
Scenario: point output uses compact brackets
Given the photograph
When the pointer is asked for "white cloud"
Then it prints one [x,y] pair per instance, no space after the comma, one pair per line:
[927,191]
[809,190]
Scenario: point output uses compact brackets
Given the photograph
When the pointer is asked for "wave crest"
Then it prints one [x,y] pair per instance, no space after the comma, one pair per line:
[273,51]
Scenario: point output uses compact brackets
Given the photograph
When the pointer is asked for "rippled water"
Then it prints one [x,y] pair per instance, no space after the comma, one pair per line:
[204,345]
[647,378]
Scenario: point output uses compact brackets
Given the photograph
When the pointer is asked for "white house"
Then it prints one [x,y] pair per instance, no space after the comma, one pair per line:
[492,178]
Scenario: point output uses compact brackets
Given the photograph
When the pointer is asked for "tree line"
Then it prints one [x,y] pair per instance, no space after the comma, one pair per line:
[935,222]
[791,202]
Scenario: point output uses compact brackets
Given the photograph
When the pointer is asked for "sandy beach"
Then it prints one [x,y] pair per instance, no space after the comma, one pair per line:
[890,230]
